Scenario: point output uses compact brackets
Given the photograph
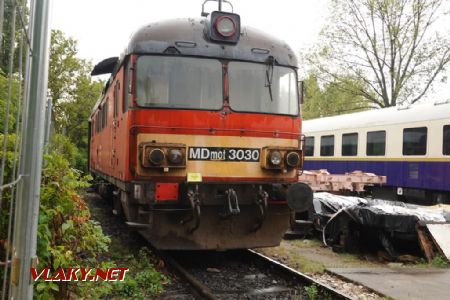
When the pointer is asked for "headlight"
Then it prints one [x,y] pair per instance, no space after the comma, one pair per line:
[156,156]
[292,159]
[275,158]
[175,156]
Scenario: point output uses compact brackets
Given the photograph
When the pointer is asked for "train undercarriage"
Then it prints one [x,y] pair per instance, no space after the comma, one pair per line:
[207,216]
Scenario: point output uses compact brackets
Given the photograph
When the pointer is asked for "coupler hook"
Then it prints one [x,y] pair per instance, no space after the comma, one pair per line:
[232,201]
[194,201]
[261,202]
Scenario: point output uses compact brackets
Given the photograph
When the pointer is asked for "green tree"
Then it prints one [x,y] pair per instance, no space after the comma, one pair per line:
[333,98]
[393,46]
[64,71]
[76,114]
[73,93]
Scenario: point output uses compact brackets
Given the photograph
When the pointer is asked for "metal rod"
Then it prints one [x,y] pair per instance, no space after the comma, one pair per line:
[2,13]
[8,99]
[28,190]
[48,120]
[11,184]
[220,5]
[14,168]
[20,9]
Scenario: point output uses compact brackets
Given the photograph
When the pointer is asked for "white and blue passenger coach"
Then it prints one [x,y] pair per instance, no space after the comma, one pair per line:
[411,146]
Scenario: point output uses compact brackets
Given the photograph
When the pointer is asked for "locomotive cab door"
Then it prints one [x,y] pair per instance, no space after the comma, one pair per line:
[115,125]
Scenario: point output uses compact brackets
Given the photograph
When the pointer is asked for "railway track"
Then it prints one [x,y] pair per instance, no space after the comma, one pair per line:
[244,274]
[217,275]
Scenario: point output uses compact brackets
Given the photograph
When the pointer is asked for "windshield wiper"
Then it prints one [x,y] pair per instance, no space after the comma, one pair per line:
[269,75]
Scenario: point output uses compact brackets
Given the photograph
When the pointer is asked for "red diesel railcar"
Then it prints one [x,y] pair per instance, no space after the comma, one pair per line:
[197,134]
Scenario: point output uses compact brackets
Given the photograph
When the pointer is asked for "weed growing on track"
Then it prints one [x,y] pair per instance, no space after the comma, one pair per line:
[143,280]
[440,262]
[312,292]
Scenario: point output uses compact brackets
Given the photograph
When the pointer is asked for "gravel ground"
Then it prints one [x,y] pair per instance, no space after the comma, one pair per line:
[311,258]
[229,275]
[353,290]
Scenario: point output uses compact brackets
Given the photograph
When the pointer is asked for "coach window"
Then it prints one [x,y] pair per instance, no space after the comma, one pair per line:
[327,145]
[350,144]
[309,146]
[376,143]
[179,82]
[415,141]
[446,140]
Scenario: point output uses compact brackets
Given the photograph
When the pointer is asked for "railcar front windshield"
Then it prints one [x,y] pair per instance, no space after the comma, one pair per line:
[194,83]
[263,88]
[179,82]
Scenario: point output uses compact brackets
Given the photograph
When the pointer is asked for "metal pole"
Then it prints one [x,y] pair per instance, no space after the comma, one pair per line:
[28,190]
[220,5]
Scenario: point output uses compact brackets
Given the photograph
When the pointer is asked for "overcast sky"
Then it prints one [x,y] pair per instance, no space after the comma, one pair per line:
[103,27]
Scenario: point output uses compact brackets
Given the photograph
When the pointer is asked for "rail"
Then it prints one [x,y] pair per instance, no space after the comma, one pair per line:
[272,279]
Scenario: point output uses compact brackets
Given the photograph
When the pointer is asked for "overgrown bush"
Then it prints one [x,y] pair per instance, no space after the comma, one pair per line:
[67,237]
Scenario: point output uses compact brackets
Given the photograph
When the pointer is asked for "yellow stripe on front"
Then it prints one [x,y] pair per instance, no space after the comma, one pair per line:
[218,168]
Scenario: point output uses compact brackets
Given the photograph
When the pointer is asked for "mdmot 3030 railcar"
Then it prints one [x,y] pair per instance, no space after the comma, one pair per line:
[409,145]
[197,134]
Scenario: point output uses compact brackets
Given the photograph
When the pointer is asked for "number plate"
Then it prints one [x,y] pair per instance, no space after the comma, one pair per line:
[224,154]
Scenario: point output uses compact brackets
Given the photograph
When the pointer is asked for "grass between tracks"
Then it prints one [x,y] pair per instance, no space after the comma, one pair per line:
[311,257]
[294,259]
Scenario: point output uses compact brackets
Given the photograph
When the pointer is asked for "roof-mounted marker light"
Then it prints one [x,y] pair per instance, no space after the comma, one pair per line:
[225,26]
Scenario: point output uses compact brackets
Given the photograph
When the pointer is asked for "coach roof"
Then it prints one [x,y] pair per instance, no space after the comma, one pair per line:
[380,117]
[189,37]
